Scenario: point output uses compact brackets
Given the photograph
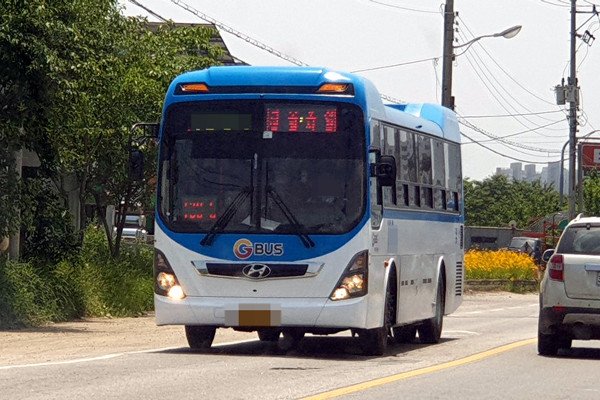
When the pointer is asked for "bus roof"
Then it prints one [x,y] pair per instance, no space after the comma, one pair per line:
[429,118]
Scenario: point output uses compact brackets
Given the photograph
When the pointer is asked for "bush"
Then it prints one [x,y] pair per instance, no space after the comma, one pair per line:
[89,283]
[26,298]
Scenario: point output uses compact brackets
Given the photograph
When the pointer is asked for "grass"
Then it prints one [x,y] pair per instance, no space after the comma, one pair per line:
[87,283]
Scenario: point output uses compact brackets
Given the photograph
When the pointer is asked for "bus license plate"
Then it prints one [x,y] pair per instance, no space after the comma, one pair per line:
[254,317]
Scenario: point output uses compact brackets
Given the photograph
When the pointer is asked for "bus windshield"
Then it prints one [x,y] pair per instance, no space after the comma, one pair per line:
[270,167]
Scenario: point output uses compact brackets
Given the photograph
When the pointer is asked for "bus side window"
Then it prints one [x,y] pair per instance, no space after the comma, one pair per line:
[408,157]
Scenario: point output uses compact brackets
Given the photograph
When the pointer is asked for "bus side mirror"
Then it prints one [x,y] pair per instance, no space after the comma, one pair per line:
[385,170]
[136,165]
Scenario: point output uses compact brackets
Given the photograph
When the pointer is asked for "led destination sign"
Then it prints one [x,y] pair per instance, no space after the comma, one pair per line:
[301,118]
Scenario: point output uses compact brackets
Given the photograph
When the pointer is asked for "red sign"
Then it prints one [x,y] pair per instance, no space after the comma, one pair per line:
[590,155]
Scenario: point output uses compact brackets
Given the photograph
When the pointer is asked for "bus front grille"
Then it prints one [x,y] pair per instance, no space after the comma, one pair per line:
[255,270]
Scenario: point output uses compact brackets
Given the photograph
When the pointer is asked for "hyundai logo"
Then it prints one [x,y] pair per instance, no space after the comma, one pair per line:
[256,271]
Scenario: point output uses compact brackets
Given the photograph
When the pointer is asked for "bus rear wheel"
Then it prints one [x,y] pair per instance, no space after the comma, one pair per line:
[431,330]
[405,334]
[200,337]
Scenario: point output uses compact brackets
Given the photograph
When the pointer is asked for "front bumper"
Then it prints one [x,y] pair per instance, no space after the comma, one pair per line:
[296,312]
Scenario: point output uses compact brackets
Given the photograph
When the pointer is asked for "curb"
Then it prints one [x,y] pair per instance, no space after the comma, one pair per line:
[485,285]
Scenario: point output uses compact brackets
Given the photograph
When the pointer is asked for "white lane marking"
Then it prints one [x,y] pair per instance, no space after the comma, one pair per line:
[458,314]
[461,333]
[108,356]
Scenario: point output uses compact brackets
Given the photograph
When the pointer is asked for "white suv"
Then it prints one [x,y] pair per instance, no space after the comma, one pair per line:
[570,288]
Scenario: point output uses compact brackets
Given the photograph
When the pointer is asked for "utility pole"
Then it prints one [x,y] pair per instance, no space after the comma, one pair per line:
[573,97]
[448,58]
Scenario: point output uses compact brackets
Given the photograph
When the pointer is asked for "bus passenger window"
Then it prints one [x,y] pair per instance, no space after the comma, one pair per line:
[439,199]
[408,157]
[452,203]
[402,195]
[424,152]
[416,200]
[427,197]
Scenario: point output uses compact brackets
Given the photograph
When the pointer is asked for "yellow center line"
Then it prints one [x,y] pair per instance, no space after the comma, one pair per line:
[405,375]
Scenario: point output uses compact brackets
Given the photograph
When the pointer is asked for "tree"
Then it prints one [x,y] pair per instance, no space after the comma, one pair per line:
[495,201]
[591,193]
[76,76]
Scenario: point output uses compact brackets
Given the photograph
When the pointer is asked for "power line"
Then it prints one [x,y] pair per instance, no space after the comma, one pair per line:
[506,73]
[491,78]
[395,65]
[512,115]
[504,141]
[503,155]
[238,34]
[525,131]
[148,10]
[405,8]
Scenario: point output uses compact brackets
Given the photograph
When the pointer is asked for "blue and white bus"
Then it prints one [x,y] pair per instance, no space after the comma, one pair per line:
[291,200]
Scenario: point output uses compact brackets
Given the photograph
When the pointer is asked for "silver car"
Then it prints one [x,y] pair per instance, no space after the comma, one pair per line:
[570,288]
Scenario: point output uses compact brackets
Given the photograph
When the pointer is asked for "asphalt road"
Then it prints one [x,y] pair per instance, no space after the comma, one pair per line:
[488,351]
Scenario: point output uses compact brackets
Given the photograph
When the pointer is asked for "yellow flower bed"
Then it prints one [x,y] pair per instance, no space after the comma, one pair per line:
[501,264]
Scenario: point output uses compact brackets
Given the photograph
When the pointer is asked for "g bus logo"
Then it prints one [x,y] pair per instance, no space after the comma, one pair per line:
[244,248]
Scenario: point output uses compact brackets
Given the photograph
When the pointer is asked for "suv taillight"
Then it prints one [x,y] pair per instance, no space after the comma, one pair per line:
[556,267]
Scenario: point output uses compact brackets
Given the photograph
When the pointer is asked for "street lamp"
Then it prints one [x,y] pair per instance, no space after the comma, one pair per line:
[447,98]
[507,34]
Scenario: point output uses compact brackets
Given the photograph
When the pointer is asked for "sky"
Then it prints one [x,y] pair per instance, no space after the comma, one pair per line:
[502,87]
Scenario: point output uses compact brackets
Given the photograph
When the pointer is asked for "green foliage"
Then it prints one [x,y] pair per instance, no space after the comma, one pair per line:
[591,193]
[47,228]
[90,283]
[496,201]
[10,188]
[115,287]
[75,76]
[25,299]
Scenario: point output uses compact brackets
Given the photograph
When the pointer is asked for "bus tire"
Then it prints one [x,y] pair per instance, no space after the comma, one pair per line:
[268,335]
[405,334]
[374,341]
[431,330]
[200,337]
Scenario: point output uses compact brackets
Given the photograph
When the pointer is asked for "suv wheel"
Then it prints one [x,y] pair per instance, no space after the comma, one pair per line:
[547,344]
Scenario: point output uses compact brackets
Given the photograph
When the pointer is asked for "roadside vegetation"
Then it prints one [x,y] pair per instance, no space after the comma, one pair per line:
[509,268]
[500,264]
[89,282]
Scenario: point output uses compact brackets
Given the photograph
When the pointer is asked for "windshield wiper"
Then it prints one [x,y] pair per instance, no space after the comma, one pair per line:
[226,217]
[299,229]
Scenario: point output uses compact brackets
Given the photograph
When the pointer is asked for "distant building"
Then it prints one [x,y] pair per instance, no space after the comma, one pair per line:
[549,175]
[517,171]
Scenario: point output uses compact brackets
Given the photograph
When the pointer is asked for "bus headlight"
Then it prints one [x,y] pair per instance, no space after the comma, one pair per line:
[353,282]
[165,281]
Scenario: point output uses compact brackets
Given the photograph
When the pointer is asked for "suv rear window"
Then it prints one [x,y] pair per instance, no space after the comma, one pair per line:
[580,239]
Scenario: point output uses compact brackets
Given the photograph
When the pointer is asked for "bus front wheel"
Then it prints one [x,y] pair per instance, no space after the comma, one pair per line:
[374,341]
[200,337]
